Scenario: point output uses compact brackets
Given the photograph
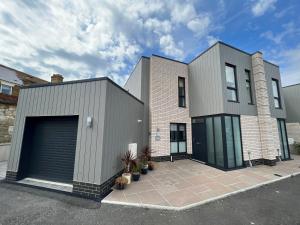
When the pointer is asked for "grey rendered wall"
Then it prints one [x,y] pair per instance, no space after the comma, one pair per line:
[291,96]
[83,99]
[138,85]
[121,128]
[272,71]
[205,82]
[242,61]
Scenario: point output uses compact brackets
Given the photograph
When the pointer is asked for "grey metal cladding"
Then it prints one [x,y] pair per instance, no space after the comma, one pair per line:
[122,113]
[291,96]
[272,71]
[134,82]
[242,61]
[205,84]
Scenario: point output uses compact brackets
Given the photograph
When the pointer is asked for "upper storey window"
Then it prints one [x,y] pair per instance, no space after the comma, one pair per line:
[248,86]
[181,92]
[6,89]
[276,95]
[231,83]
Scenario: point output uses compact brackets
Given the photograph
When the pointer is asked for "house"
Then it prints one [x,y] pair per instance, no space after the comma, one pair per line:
[10,82]
[291,96]
[224,108]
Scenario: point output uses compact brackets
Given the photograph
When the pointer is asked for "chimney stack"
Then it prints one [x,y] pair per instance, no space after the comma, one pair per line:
[57,78]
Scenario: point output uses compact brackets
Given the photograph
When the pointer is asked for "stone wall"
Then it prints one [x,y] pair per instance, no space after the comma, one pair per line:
[7,119]
[164,108]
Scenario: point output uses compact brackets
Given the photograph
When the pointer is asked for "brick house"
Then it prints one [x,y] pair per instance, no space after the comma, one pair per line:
[10,82]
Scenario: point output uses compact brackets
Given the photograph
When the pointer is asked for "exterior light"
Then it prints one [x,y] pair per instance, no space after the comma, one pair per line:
[89,121]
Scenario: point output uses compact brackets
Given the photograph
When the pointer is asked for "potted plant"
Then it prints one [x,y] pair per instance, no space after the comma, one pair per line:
[297,148]
[121,183]
[151,166]
[144,166]
[136,172]
[127,160]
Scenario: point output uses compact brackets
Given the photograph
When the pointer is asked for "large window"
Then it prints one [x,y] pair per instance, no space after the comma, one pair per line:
[248,87]
[6,89]
[231,83]
[181,92]
[284,147]
[178,138]
[276,95]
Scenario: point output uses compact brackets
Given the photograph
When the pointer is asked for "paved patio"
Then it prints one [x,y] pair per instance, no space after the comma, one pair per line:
[185,183]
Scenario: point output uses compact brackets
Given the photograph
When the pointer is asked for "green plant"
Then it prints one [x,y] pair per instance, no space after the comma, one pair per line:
[136,168]
[128,161]
[297,147]
[146,153]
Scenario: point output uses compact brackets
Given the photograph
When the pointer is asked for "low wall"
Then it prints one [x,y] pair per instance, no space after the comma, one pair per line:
[4,151]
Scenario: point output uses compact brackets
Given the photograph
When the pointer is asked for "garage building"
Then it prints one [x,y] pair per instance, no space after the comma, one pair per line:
[75,133]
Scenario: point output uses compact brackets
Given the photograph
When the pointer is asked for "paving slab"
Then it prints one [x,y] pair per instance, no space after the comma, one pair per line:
[185,183]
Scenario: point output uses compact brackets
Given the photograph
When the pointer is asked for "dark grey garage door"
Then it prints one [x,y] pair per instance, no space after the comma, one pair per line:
[49,148]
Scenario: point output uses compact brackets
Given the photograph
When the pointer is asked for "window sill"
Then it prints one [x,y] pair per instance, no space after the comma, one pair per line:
[251,104]
[233,101]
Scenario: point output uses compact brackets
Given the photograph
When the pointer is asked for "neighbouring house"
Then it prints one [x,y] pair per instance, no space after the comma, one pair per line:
[225,108]
[291,96]
[10,82]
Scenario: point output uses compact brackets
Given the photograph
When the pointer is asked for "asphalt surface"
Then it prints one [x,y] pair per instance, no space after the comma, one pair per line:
[277,203]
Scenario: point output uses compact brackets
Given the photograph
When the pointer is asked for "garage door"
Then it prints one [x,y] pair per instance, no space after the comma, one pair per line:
[50,148]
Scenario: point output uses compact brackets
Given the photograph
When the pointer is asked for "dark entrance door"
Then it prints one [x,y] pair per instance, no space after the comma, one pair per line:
[199,140]
[49,147]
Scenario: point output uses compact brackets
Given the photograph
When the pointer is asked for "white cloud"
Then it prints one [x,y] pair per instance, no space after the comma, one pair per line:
[262,6]
[200,25]
[211,40]
[170,48]
[183,13]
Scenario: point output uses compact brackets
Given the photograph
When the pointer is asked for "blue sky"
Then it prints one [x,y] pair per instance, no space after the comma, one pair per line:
[89,38]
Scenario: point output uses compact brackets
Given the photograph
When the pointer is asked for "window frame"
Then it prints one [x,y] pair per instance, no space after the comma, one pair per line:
[248,81]
[235,89]
[177,141]
[184,93]
[278,92]
[1,89]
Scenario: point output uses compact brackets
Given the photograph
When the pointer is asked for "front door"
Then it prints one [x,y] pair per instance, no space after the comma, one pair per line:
[199,140]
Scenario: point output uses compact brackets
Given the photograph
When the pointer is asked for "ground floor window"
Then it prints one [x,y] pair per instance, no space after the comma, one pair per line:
[284,146]
[178,138]
[217,141]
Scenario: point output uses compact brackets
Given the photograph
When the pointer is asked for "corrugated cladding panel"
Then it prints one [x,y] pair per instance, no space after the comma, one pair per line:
[291,96]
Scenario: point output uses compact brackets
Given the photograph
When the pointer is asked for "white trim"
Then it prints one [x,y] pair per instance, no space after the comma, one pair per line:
[8,85]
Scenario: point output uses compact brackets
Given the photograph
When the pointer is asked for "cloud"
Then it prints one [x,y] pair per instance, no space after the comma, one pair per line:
[211,40]
[170,48]
[262,6]
[200,25]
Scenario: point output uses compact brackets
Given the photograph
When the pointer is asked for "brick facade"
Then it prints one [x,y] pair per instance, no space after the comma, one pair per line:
[164,103]
[7,117]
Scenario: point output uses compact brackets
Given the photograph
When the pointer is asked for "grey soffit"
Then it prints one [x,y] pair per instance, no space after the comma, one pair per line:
[82,81]
[291,85]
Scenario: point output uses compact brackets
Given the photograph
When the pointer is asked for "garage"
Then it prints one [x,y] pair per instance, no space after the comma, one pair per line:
[48,149]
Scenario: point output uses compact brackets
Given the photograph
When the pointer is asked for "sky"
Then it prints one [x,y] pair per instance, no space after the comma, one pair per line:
[94,38]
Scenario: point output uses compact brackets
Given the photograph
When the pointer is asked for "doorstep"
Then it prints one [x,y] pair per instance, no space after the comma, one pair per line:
[185,183]
[56,186]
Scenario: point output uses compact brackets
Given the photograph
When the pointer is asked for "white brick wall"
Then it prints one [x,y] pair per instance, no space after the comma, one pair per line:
[251,137]
[164,103]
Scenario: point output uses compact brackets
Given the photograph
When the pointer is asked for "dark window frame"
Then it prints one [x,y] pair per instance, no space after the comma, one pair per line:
[248,81]
[177,141]
[280,130]
[279,96]
[235,89]
[179,93]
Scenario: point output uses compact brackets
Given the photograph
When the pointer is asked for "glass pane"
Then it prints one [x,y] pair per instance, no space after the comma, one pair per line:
[284,139]
[218,141]
[6,89]
[249,99]
[231,95]
[173,132]
[229,142]
[274,87]
[174,147]
[247,74]
[182,146]
[230,79]
[181,91]
[182,101]
[276,103]
[280,138]
[237,141]
[181,133]
[210,141]
[181,82]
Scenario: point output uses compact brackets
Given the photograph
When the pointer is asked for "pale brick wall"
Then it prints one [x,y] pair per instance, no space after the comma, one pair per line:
[263,107]
[164,103]
[251,137]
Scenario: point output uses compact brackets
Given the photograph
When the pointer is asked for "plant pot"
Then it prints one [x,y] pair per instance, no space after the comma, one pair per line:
[136,176]
[144,170]
[120,186]
[127,176]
